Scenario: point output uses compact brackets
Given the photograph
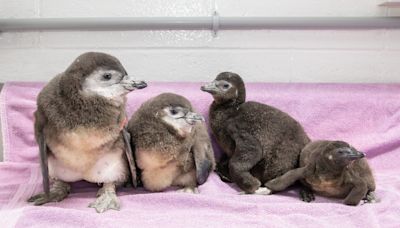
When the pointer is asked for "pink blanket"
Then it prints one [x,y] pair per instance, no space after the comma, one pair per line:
[367,116]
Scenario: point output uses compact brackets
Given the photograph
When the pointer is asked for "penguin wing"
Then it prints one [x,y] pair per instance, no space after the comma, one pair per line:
[40,121]
[130,156]
[203,155]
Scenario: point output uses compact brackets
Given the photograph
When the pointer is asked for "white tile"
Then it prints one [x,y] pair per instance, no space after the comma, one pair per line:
[394,12]
[153,65]
[390,66]
[124,8]
[264,55]
[18,8]
[301,39]
[201,65]
[124,39]
[19,39]
[345,66]
[392,39]
[338,39]
[295,8]
[272,39]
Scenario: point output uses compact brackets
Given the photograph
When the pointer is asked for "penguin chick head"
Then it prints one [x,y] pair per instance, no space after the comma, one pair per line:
[176,113]
[340,154]
[180,118]
[227,87]
[95,73]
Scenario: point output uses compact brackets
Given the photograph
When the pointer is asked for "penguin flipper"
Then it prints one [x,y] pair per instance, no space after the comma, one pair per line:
[130,156]
[44,164]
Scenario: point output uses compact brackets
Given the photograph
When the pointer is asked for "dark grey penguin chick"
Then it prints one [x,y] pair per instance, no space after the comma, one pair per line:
[333,169]
[78,122]
[260,141]
[171,143]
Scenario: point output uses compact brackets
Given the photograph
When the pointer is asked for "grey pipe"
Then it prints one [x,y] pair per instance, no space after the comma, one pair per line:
[214,22]
[135,23]
[310,23]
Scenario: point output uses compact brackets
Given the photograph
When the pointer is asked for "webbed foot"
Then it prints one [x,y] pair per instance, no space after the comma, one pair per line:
[307,195]
[192,190]
[370,197]
[58,192]
[106,199]
[259,191]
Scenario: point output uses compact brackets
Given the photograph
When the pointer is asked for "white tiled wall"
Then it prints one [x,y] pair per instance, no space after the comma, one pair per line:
[265,55]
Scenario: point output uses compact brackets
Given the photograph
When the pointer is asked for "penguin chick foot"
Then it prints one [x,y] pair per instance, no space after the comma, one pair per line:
[259,191]
[58,192]
[262,191]
[370,197]
[192,190]
[307,195]
[107,199]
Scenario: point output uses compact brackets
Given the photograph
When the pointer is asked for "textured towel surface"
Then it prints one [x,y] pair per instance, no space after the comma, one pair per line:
[367,116]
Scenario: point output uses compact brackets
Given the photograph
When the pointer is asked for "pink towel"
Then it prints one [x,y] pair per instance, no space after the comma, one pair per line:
[366,116]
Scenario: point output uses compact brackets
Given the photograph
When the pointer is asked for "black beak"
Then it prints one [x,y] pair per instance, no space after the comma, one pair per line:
[350,153]
[354,155]
[139,84]
[361,154]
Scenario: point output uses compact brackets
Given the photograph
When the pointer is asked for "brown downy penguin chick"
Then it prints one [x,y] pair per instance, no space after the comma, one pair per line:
[330,168]
[172,145]
[260,141]
[78,122]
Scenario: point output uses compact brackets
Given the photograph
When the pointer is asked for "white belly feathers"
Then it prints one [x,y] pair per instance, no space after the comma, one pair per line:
[85,154]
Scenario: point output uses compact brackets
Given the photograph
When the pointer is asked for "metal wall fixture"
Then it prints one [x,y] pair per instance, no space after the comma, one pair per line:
[213,23]
[394,4]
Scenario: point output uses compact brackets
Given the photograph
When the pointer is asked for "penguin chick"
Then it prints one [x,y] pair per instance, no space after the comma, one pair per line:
[333,169]
[78,122]
[172,145]
[260,141]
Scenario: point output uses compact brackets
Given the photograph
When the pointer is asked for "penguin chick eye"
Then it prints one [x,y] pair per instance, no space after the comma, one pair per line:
[107,76]
[225,86]
[173,111]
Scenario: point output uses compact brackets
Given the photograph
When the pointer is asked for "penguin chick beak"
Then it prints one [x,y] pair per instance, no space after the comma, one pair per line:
[360,154]
[130,84]
[140,84]
[192,118]
[352,154]
[210,87]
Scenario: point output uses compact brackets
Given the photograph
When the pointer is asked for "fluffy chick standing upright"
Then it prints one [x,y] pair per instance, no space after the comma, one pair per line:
[78,122]
[172,145]
[260,141]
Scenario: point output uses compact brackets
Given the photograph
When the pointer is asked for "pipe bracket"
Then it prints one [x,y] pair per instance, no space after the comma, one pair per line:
[215,23]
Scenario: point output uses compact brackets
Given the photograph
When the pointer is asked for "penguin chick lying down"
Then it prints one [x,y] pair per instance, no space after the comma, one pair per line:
[259,141]
[330,168]
[78,122]
[172,144]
